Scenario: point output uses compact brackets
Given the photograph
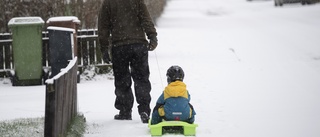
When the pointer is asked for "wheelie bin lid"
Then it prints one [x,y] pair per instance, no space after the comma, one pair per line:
[25,21]
[63,19]
[61,29]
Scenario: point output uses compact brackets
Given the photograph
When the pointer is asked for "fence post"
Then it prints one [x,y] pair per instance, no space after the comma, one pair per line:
[61,100]
[50,111]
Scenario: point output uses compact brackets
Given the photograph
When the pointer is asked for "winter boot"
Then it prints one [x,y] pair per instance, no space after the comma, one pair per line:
[123,116]
[144,117]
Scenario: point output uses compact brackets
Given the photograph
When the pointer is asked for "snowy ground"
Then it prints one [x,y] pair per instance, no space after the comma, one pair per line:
[252,70]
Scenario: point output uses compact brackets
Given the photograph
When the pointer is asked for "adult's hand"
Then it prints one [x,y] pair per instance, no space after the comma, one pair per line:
[153,43]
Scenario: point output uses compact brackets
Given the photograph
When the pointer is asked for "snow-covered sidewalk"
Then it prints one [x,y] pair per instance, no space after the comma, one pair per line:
[252,70]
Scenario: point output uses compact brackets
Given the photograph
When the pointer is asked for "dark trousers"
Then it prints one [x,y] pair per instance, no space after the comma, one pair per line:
[131,61]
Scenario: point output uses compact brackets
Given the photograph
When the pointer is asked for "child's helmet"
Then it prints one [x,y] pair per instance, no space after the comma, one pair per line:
[175,73]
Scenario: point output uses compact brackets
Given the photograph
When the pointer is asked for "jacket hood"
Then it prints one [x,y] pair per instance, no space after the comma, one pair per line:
[176,89]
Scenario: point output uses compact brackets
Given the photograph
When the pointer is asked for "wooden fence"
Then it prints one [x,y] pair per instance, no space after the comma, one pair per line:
[61,101]
[88,51]
[5,53]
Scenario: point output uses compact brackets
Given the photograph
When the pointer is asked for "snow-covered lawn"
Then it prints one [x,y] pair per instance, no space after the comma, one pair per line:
[253,70]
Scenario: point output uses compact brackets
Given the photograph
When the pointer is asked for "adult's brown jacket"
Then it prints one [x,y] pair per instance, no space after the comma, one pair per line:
[123,22]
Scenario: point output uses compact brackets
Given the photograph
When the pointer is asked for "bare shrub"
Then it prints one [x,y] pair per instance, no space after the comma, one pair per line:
[85,10]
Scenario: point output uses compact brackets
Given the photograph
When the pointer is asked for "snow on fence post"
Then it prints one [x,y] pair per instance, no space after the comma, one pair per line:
[61,101]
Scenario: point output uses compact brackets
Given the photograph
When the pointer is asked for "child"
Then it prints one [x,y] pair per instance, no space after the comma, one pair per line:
[173,104]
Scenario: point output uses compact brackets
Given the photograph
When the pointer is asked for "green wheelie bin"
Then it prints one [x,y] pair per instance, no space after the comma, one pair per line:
[27,50]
